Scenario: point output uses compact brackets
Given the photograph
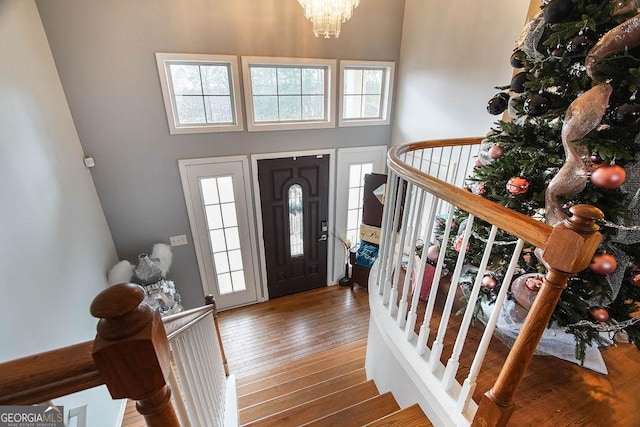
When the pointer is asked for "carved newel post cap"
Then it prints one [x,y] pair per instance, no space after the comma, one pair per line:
[584,218]
[120,310]
[131,348]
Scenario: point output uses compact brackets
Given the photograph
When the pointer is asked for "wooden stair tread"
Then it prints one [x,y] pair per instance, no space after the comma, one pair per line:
[302,369]
[312,377]
[298,397]
[319,407]
[412,416]
[360,413]
[335,355]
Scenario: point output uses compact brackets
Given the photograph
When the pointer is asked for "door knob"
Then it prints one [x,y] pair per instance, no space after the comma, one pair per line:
[322,238]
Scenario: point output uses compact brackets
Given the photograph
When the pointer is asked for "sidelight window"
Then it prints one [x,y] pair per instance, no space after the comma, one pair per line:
[222,223]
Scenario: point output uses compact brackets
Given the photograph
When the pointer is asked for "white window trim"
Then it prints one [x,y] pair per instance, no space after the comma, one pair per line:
[387,92]
[164,59]
[330,90]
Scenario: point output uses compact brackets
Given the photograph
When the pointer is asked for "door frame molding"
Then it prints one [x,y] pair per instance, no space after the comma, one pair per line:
[182,167]
[258,207]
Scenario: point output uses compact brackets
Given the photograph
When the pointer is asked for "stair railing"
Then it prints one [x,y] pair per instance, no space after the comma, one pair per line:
[173,367]
[424,188]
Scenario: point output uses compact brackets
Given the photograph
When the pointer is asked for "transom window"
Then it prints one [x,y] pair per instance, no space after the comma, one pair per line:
[200,92]
[287,93]
[365,92]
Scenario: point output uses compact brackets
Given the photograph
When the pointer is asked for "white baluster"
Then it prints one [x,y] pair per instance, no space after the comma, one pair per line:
[392,249]
[408,206]
[438,343]
[177,395]
[385,253]
[425,328]
[469,384]
[454,360]
[402,308]
[413,313]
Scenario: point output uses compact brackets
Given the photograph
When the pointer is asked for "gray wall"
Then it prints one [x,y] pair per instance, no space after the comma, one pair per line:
[55,246]
[104,51]
[444,85]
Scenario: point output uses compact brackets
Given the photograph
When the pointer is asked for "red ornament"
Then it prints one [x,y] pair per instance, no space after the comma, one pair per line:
[489,282]
[635,278]
[518,185]
[478,163]
[608,177]
[496,152]
[599,314]
[603,263]
[533,283]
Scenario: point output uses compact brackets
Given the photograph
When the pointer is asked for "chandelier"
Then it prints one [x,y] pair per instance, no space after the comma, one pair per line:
[327,16]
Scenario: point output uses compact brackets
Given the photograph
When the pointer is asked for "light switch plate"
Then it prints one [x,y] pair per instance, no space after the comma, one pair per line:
[178,240]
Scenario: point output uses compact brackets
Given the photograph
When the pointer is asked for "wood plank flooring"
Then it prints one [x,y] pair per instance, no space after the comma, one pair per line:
[290,328]
[263,337]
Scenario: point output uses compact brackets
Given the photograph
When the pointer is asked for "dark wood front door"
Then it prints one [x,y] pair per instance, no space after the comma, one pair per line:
[294,193]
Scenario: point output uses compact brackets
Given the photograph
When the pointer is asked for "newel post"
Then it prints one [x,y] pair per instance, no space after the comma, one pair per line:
[570,249]
[132,353]
[211,300]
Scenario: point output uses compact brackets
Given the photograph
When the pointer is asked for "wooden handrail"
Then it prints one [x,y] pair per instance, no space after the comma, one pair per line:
[177,323]
[515,223]
[45,376]
[567,249]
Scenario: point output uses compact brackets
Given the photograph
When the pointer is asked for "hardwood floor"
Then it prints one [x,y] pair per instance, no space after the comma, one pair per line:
[290,328]
[265,336]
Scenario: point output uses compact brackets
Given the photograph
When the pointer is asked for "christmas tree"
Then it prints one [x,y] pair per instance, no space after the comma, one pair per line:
[572,137]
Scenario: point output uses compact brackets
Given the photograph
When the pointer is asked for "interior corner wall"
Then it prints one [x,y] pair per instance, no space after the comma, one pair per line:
[105,55]
[453,56]
[55,247]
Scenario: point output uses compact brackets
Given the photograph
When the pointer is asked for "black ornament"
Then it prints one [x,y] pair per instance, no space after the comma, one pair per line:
[625,114]
[536,105]
[557,10]
[518,81]
[498,103]
[516,59]
[579,44]
[558,51]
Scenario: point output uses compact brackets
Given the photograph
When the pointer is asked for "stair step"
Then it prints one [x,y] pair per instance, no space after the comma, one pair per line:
[298,397]
[314,377]
[329,357]
[411,416]
[294,372]
[319,407]
[360,413]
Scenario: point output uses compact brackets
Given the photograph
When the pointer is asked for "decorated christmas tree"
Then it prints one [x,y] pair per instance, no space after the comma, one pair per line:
[572,137]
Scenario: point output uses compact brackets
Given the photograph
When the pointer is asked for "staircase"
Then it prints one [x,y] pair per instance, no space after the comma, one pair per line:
[327,389]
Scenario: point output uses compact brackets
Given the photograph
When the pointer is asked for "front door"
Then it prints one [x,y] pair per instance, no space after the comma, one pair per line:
[294,193]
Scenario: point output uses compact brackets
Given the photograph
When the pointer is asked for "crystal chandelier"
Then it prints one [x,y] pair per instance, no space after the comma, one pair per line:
[327,16]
